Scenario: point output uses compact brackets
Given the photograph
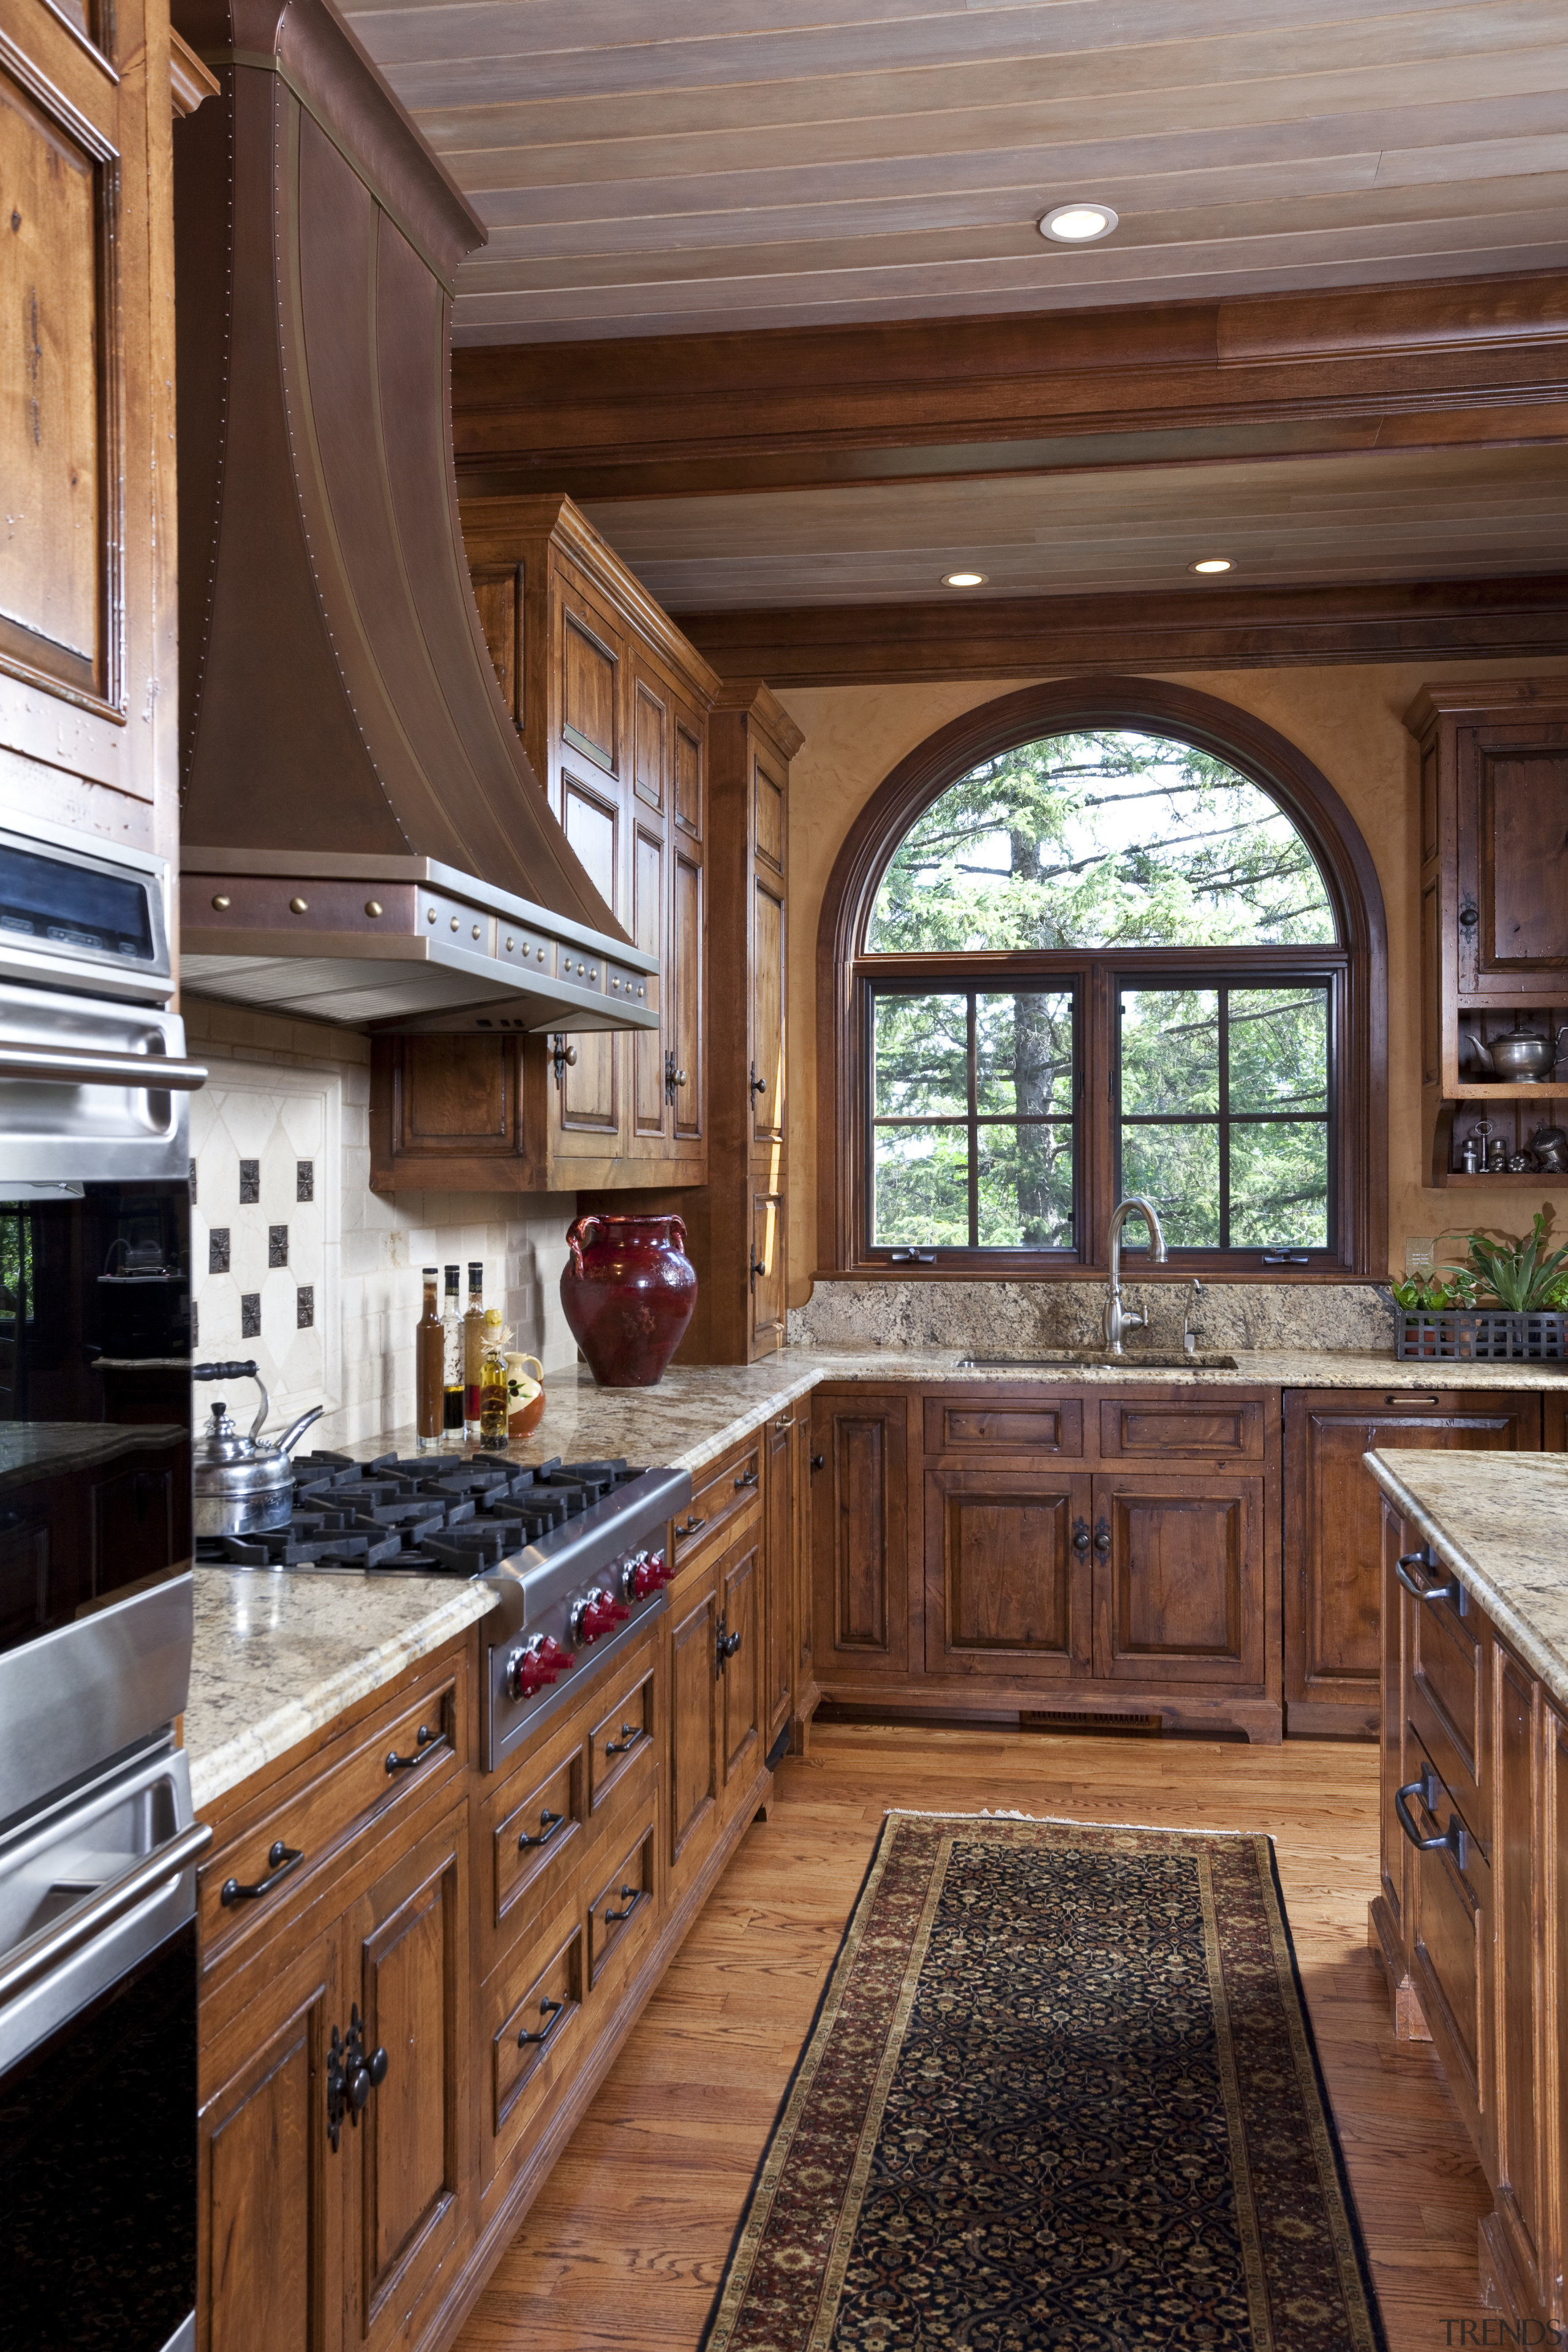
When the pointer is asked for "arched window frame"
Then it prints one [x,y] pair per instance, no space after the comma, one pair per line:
[1357,968]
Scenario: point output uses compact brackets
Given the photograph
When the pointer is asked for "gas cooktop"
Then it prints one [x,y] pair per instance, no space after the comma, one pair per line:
[390,1516]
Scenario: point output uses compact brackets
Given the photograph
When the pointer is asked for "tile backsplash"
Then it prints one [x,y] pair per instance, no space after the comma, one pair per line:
[298,1263]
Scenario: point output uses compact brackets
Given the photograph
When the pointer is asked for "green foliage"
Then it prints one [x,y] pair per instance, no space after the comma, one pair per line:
[1518,1271]
[1119,839]
[1100,840]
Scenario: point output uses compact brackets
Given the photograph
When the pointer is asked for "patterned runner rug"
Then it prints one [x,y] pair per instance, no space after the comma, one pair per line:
[1061,2091]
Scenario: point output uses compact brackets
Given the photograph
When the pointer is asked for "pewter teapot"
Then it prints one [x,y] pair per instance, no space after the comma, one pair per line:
[241,1484]
[1530,1053]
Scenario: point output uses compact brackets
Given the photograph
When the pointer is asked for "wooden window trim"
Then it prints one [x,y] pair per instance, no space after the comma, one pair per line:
[1359,965]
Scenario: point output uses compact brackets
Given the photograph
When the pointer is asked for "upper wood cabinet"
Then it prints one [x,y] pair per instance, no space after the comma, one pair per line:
[1494,904]
[612,704]
[87,705]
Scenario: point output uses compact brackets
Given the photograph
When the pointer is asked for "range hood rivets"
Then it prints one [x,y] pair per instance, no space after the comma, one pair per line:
[508,944]
[475,930]
[298,906]
[220,902]
[372,905]
[454,922]
[431,916]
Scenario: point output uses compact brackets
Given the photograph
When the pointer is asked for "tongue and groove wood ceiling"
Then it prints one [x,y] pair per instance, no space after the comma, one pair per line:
[665,180]
[645,166]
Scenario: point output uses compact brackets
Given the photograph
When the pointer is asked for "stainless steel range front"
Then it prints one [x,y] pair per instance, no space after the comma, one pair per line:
[97,1847]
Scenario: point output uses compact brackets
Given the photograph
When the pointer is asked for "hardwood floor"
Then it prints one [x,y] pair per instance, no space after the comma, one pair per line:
[626,2244]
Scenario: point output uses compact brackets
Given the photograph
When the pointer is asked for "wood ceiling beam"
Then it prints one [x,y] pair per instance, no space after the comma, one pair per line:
[1465,360]
[1206,628]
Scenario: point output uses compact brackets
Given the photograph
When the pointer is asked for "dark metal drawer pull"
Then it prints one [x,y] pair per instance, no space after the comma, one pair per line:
[631,1734]
[1455,1837]
[1453,1591]
[692,1524]
[280,1860]
[746,1478]
[549,1823]
[555,2011]
[428,1742]
[636,1894]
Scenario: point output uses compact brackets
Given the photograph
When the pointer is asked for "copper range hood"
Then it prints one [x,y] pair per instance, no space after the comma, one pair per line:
[364,839]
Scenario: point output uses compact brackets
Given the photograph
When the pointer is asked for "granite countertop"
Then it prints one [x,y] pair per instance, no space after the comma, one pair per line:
[277,1657]
[39,1449]
[1499,1521]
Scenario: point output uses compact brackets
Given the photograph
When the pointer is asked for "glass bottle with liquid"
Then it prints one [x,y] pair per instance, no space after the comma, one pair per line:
[452,1362]
[429,1365]
[473,1351]
[494,1399]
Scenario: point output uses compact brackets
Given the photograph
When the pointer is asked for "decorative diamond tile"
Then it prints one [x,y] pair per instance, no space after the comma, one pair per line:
[218,1250]
[193,1181]
[277,1244]
[196,1327]
[305,1306]
[304,1180]
[249,1181]
[250,1314]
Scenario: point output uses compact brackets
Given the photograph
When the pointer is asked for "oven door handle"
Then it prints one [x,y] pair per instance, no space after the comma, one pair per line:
[68,1066]
[52,1944]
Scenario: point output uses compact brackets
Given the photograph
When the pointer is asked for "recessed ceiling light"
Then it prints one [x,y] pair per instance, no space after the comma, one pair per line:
[964,579]
[1211,563]
[1078,224]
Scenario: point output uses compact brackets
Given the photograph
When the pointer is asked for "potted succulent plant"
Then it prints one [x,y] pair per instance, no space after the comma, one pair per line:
[1442,1316]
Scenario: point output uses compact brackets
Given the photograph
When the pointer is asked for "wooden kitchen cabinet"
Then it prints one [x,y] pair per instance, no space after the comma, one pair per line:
[1333,1530]
[1472,1908]
[1082,1552]
[781,1563]
[88,669]
[612,705]
[1494,904]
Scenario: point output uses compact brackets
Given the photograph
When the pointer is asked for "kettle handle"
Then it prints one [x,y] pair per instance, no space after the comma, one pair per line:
[238,1371]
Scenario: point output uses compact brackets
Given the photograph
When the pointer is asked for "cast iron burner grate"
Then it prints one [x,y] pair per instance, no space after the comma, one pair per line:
[395,1517]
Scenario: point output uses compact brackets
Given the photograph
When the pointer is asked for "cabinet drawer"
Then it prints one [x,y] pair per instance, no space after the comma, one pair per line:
[1446,1690]
[621,1746]
[1228,1429]
[538,2037]
[1002,1425]
[621,1913]
[538,1842]
[393,1761]
[720,1496]
[1450,1899]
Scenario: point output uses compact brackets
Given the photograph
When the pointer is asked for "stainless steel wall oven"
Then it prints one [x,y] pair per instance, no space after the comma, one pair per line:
[98,1846]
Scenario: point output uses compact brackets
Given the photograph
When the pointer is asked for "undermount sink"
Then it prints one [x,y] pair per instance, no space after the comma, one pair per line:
[1148,1359]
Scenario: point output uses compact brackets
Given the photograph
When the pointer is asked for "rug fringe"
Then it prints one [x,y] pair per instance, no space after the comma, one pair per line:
[1062,1822]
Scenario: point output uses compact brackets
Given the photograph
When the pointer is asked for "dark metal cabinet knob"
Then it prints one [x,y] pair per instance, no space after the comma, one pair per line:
[1102,1538]
[1469,916]
[818,1460]
[1080,1535]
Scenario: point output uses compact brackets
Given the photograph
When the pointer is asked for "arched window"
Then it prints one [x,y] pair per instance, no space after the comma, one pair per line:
[1094,941]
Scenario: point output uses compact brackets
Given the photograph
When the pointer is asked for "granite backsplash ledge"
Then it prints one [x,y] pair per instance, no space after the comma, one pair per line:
[989,1317]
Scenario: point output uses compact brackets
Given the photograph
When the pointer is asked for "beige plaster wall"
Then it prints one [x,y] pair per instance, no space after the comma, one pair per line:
[1348,720]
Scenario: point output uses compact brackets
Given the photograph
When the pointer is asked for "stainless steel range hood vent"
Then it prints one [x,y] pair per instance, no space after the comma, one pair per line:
[362,829]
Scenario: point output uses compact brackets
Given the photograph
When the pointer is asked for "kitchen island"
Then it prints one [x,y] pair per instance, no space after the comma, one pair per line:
[1471,1920]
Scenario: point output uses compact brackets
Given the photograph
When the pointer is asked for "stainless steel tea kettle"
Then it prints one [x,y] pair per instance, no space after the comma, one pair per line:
[241,1484]
[1530,1053]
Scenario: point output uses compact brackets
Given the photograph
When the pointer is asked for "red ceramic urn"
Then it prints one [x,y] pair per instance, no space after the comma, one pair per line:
[628,1289]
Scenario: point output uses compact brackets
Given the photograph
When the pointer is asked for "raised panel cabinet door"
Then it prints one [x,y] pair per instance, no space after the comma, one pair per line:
[779,1645]
[1512,858]
[272,2189]
[766,1273]
[589,684]
[690,772]
[1516,1952]
[694,1726]
[770,816]
[456,1093]
[1179,1573]
[766,1074]
[1394,1851]
[652,1112]
[1009,1573]
[409,1973]
[1334,1531]
[588,1085]
[859,1524]
[743,1677]
[682,984]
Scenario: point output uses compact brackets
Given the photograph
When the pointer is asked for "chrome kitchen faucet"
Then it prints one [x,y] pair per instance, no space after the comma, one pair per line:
[1116,1322]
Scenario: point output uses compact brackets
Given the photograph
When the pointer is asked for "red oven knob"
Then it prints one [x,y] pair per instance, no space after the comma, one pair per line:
[659,1569]
[536,1665]
[642,1576]
[596,1614]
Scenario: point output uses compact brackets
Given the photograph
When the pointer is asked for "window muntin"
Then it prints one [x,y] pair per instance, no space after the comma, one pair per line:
[972,1140]
[1224,1110]
[1107,837]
